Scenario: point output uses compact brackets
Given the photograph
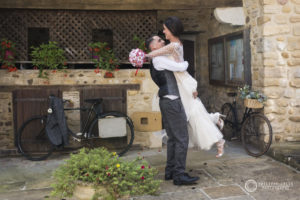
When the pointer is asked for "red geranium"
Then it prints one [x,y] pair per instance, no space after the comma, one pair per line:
[7,55]
[103,57]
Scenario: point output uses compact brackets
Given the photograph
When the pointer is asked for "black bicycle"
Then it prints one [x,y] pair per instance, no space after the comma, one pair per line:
[113,130]
[254,130]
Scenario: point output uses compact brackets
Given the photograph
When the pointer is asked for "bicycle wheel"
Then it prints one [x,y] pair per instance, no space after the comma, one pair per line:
[33,141]
[105,136]
[256,134]
[229,122]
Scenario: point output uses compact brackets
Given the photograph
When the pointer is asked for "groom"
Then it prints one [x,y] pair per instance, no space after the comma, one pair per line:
[173,114]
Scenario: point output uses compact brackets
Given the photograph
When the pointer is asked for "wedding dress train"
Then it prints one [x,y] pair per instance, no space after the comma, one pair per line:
[203,132]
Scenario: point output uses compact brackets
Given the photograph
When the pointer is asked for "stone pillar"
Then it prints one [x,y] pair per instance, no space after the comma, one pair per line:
[6,121]
[275,48]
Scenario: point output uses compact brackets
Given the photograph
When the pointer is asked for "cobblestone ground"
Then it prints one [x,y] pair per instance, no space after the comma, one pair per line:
[235,176]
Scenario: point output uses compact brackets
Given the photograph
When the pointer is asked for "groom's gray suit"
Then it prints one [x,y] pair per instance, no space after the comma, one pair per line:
[174,118]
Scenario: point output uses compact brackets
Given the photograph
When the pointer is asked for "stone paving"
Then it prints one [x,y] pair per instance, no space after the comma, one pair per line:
[235,176]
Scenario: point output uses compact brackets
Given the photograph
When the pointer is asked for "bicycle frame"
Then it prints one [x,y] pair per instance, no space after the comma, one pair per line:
[89,119]
[238,124]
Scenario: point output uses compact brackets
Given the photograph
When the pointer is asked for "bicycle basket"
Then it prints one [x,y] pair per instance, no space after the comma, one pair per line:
[253,103]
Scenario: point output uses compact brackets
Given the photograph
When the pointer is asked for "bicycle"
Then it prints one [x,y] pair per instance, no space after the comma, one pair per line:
[34,144]
[254,130]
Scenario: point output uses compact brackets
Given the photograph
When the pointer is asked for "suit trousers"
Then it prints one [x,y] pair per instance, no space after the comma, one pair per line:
[175,123]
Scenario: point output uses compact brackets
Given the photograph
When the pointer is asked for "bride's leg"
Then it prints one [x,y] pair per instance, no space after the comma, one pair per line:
[220,147]
[220,123]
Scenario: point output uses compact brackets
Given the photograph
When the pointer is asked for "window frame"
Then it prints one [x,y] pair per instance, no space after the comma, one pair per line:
[244,34]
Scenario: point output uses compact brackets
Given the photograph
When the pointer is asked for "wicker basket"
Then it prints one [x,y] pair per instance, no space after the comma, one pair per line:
[253,103]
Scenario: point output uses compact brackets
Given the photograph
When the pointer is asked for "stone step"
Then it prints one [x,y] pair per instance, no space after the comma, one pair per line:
[286,152]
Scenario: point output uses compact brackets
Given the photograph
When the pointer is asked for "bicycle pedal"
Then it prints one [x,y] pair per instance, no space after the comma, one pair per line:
[79,134]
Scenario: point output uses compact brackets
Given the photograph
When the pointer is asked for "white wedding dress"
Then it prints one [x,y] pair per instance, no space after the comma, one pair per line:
[203,132]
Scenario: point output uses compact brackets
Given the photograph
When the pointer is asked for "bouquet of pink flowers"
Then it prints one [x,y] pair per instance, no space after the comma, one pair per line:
[137,58]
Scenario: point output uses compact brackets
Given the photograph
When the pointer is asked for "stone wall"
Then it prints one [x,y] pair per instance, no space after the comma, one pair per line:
[276,62]
[142,100]
[6,122]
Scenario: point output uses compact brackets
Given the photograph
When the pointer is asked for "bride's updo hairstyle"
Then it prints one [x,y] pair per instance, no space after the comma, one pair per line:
[174,25]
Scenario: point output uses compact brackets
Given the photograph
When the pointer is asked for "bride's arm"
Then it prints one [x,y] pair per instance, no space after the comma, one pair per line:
[166,50]
[164,63]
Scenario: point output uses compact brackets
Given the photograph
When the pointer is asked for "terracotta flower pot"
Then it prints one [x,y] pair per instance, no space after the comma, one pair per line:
[108,75]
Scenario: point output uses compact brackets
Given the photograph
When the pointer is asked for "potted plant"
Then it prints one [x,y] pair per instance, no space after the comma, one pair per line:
[104,58]
[252,99]
[7,55]
[106,175]
[48,56]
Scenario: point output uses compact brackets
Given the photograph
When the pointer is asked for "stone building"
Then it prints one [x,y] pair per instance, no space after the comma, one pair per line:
[268,31]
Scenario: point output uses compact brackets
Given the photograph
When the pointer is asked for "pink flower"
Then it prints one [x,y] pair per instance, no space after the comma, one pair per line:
[142,178]
[142,167]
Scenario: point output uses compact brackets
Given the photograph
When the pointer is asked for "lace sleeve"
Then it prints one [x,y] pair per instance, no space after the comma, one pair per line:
[166,50]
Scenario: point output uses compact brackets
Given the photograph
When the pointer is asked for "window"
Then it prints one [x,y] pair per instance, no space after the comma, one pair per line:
[99,35]
[36,37]
[229,59]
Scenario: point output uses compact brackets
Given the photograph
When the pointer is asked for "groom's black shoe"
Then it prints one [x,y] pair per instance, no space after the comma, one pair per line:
[169,176]
[185,180]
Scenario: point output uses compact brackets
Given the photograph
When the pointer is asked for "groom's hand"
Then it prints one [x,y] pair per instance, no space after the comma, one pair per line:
[195,94]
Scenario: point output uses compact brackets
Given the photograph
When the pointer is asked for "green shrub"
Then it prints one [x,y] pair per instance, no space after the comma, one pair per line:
[48,56]
[102,168]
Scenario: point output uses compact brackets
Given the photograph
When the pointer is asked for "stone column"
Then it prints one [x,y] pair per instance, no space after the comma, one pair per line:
[275,48]
[6,121]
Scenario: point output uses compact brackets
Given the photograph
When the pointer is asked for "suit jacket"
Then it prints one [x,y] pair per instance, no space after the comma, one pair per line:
[56,127]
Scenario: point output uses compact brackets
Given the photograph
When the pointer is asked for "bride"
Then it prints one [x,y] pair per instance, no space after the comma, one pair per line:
[203,131]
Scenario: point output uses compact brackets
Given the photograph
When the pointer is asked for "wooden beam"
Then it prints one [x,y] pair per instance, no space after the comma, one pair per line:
[118,4]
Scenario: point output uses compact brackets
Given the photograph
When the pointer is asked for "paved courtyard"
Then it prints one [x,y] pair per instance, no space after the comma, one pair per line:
[235,176]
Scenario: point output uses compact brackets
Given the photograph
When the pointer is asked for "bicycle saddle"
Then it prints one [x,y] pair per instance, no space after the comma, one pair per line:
[94,100]
[232,94]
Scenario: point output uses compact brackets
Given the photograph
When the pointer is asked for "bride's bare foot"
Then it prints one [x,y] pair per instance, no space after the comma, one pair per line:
[220,146]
